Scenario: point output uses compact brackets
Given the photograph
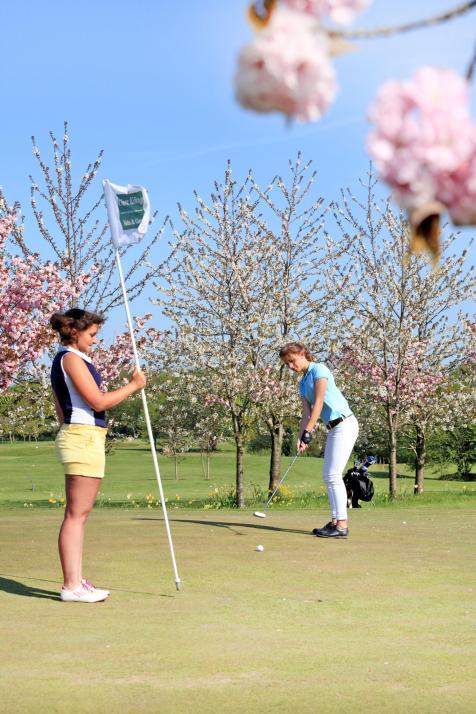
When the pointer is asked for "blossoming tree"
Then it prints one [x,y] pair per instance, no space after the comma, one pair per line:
[251,270]
[74,229]
[304,284]
[403,346]
[30,291]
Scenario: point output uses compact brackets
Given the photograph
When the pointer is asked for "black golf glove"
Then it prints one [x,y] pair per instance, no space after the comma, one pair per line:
[306,437]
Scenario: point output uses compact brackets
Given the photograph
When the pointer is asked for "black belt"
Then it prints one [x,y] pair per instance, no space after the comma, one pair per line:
[330,425]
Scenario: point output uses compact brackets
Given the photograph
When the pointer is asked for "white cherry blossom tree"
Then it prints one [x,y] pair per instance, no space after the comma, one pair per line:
[250,270]
[403,347]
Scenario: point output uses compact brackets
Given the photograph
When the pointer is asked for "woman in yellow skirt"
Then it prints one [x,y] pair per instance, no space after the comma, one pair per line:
[80,407]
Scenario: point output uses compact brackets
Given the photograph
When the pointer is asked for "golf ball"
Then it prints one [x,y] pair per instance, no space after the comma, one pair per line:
[259,548]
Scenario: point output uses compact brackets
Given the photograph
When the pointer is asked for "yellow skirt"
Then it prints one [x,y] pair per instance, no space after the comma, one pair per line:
[80,448]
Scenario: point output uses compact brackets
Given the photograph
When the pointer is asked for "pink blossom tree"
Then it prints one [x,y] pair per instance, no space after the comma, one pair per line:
[71,222]
[30,291]
[115,362]
[398,378]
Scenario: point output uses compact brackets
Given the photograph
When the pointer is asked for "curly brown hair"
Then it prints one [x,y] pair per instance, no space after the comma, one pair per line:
[68,323]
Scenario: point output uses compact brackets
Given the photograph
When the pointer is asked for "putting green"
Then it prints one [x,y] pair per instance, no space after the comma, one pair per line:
[382,622]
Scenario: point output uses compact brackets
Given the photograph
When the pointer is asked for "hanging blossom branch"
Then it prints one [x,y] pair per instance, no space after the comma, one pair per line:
[287,66]
[423,142]
[406,27]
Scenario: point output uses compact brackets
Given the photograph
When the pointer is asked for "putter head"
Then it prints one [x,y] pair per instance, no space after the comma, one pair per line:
[259,514]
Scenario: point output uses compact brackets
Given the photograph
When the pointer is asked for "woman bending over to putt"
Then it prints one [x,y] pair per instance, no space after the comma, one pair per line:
[321,398]
[80,407]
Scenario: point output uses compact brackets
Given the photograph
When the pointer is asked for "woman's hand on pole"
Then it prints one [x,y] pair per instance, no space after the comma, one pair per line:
[138,379]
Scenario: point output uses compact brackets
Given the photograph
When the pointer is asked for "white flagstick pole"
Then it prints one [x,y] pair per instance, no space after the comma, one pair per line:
[178,582]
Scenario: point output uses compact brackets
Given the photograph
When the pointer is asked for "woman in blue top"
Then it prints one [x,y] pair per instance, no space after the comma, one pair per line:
[80,407]
[320,398]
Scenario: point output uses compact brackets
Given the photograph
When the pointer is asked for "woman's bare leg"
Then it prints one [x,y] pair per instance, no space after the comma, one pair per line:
[81,493]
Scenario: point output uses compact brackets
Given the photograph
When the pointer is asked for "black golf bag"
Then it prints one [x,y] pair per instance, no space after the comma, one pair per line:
[357,483]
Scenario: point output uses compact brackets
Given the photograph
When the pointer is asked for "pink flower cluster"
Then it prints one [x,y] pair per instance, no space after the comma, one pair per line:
[471,326]
[424,142]
[30,291]
[267,386]
[287,68]
[212,399]
[342,12]
[405,383]
[117,358]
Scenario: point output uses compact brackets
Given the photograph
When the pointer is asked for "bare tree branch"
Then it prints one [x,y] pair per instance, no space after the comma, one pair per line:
[405,27]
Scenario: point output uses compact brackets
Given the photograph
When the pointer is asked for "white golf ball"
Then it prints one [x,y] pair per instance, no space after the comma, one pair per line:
[259,548]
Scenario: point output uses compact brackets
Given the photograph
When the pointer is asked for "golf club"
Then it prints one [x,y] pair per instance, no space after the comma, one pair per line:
[262,514]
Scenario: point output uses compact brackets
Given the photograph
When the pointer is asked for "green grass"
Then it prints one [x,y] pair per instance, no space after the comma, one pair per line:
[383,623]
[380,623]
[30,474]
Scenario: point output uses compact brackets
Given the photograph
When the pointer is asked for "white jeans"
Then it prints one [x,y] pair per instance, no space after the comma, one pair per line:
[339,444]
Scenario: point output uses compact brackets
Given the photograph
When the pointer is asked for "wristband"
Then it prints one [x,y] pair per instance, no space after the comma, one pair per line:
[306,437]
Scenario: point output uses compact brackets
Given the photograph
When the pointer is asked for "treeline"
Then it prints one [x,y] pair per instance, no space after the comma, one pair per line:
[27,414]
[251,268]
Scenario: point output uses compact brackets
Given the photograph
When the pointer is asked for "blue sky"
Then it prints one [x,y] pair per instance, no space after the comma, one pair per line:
[150,82]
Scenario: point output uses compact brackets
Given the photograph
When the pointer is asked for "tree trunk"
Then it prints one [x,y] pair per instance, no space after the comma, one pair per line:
[176,467]
[240,493]
[420,458]
[392,463]
[276,431]
[392,418]
[238,433]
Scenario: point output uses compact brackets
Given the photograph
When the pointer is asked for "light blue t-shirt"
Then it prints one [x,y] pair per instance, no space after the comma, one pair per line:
[335,404]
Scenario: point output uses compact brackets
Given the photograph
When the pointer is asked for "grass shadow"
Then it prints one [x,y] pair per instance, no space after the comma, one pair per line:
[15,587]
[229,526]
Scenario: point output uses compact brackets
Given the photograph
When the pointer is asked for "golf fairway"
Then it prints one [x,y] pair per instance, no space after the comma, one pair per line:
[382,622]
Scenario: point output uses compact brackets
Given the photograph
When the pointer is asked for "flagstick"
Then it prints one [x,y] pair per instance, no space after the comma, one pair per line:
[178,582]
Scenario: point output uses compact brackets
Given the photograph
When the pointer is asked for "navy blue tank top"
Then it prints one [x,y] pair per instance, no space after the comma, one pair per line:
[75,409]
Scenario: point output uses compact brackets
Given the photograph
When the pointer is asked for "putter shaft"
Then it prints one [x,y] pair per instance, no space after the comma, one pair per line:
[281,481]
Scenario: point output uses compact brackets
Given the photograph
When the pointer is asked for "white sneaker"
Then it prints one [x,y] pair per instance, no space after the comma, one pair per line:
[88,584]
[83,594]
